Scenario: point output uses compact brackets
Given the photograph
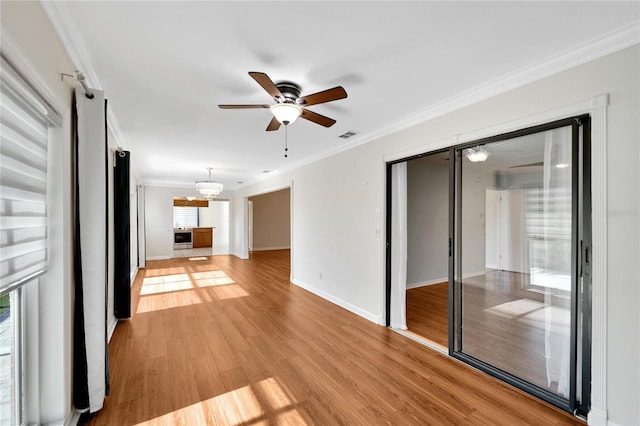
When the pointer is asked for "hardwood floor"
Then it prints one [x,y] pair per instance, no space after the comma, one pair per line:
[428,312]
[517,328]
[505,325]
[222,340]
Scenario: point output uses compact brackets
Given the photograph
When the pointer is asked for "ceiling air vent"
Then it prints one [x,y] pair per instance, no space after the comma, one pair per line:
[347,135]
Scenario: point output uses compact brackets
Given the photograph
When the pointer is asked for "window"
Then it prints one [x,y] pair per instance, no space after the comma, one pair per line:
[185,217]
[10,358]
[25,118]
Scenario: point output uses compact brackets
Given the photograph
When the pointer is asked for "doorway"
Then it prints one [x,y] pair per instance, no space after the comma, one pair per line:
[269,217]
[427,247]
[518,272]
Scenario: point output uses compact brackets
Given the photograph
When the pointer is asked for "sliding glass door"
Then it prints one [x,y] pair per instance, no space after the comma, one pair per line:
[517,281]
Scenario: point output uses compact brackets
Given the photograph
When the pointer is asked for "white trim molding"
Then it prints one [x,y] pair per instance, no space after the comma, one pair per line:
[343,304]
[72,420]
[427,283]
[271,248]
[599,269]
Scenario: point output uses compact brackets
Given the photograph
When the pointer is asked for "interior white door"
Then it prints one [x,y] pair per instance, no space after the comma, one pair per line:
[492,240]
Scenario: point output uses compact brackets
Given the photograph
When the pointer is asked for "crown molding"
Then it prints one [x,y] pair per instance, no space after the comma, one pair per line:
[611,42]
[73,42]
[64,24]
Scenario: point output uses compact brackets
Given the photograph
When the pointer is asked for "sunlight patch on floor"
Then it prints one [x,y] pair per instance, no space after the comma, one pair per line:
[554,319]
[273,394]
[158,272]
[239,407]
[184,289]
[515,308]
[156,302]
[170,283]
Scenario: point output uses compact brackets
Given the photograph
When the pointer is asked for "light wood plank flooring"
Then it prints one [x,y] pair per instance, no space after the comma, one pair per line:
[506,324]
[428,312]
[222,340]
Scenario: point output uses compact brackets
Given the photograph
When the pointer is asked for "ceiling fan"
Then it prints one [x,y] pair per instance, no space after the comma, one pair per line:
[289,105]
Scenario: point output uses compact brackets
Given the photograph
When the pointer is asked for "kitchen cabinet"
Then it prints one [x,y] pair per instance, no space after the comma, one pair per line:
[202,237]
[178,202]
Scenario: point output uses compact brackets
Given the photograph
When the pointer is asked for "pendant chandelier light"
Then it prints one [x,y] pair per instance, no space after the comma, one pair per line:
[208,188]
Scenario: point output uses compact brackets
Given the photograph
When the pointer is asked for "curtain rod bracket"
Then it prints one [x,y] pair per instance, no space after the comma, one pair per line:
[80,78]
[118,151]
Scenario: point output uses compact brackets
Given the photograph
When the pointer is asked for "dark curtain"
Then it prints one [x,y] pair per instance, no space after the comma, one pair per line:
[122,239]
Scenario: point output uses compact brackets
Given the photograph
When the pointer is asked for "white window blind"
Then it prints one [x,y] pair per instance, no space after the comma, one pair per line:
[24,121]
[185,217]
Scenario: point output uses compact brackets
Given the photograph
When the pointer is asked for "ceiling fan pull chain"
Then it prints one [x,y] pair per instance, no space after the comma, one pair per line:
[286,148]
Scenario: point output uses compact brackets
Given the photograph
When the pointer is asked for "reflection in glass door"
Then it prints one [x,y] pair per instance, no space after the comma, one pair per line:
[516,270]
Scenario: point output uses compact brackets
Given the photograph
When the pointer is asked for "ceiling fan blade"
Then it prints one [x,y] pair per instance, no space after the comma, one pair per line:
[273,125]
[242,106]
[317,118]
[266,83]
[324,96]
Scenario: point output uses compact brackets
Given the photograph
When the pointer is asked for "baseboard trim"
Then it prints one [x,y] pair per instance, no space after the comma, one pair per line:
[158,257]
[271,248]
[598,417]
[442,280]
[337,301]
[428,282]
[72,419]
[421,340]
[133,274]
[111,329]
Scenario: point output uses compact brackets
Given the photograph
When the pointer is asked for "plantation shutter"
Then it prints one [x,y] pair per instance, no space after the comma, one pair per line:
[186,217]
[24,121]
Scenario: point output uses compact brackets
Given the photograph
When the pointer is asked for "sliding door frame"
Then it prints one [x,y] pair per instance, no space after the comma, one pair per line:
[581,306]
[581,318]
[389,221]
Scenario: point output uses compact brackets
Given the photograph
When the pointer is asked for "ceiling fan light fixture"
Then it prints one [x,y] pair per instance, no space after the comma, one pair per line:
[286,113]
[477,155]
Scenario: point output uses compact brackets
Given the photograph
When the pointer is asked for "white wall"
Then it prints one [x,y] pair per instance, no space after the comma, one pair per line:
[271,220]
[216,216]
[338,244]
[133,219]
[474,184]
[427,222]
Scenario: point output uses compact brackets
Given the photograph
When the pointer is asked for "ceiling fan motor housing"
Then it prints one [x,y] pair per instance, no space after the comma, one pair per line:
[290,90]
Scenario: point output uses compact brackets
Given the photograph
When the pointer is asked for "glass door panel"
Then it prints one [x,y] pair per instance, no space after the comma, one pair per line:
[515,265]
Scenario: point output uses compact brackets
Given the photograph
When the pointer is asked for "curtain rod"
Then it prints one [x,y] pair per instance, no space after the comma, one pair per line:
[80,78]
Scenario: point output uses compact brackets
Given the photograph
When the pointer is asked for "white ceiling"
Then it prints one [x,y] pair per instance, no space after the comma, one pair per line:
[165,66]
